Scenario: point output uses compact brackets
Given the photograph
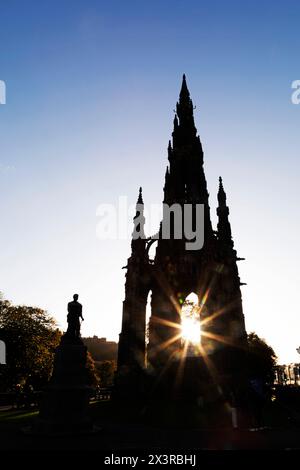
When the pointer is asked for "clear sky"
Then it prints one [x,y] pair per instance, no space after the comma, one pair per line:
[91,89]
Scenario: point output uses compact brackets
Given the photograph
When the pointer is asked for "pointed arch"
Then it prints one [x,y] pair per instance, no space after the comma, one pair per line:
[190,324]
[147,323]
[151,249]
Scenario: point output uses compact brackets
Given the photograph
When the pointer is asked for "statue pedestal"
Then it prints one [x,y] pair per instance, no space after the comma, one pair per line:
[64,407]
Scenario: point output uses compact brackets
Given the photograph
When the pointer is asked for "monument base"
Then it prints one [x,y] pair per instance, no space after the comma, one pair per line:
[64,407]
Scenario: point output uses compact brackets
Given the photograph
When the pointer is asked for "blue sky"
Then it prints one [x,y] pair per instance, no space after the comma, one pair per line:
[91,89]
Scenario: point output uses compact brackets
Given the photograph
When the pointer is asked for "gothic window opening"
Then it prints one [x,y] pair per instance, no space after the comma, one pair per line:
[147,323]
[151,250]
[190,325]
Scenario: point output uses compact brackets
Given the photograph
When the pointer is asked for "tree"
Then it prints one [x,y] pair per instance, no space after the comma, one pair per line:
[31,337]
[106,370]
[93,377]
[261,358]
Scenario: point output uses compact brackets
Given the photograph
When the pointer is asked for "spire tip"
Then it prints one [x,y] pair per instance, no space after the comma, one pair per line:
[221,192]
[140,198]
[184,88]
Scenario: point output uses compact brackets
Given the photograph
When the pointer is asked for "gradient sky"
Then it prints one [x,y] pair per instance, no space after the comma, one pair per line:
[91,89]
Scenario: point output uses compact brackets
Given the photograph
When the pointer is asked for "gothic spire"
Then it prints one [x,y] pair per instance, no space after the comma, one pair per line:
[186,174]
[140,198]
[224,228]
[139,219]
[184,89]
[185,112]
[221,193]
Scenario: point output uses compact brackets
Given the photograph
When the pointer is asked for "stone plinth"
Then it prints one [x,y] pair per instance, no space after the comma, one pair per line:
[64,407]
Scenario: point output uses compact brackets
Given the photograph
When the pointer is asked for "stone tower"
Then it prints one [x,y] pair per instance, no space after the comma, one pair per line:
[210,272]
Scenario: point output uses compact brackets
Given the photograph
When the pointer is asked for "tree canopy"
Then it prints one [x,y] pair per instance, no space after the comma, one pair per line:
[261,358]
[106,370]
[31,336]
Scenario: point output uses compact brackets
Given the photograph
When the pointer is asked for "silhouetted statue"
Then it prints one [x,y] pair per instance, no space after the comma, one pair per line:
[73,318]
[64,406]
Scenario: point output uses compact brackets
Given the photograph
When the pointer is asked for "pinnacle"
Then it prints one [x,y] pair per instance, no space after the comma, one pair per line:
[184,89]
[140,198]
[221,192]
[221,183]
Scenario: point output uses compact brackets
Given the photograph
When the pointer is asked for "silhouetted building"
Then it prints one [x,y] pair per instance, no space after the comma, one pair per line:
[101,349]
[211,272]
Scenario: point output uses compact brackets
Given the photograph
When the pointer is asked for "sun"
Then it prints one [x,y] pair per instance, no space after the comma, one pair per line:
[190,330]
[190,320]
